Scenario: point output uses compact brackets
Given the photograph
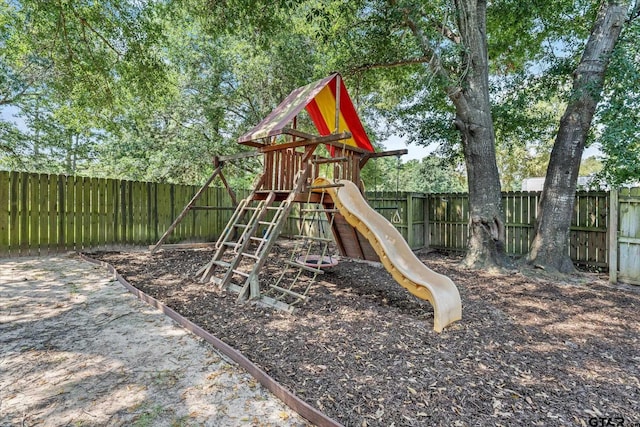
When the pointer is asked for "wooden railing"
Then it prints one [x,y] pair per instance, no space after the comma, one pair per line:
[281,167]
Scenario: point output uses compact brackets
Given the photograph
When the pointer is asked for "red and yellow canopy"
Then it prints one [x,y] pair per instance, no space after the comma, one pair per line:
[319,99]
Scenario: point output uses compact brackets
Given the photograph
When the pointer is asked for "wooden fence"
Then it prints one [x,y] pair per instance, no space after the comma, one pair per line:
[624,241]
[448,218]
[42,214]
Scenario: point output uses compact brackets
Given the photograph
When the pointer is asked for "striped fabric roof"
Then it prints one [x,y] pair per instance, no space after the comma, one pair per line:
[319,99]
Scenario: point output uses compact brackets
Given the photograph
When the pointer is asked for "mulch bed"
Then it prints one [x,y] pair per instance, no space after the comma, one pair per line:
[529,350]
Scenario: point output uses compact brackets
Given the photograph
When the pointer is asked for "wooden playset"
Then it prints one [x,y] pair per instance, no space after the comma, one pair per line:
[291,174]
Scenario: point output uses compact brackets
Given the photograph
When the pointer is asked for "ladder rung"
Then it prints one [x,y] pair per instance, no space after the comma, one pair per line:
[235,288]
[250,255]
[318,187]
[211,208]
[257,239]
[275,208]
[319,210]
[222,264]
[304,267]
[240,225]
[317,239]
[287,291]
[266,223]
[250,208]
[242,273]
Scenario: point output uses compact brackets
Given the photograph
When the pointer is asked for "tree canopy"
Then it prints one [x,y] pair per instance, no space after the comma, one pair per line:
[619,114]
[143,89]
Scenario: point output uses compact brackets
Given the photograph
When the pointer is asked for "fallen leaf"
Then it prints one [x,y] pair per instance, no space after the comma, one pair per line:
[283,415]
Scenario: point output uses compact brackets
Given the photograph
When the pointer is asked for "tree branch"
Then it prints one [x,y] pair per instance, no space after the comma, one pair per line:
[444,30]
[425,46]
[237,112]
[85,23]
[11,97]
[64,30]
[399,63]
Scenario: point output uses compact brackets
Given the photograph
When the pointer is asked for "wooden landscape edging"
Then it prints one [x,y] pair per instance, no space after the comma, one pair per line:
[285,395]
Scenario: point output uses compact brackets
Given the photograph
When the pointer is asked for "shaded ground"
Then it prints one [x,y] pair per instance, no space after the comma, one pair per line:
[362,349]
[77,349]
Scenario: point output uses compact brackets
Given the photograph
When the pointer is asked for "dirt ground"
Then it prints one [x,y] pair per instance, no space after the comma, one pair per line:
[76,349]
[528,351]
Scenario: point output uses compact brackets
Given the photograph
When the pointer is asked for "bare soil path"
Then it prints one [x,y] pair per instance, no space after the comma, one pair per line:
[77,349]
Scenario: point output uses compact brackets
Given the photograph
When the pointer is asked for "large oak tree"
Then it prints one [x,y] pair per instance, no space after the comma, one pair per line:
[426,66]
[549,248]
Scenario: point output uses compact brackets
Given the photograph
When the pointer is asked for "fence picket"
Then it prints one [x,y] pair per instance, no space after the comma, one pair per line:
[14,197]
[101,201]
[110,212]
[163,210]
[77,213]
[43,213]
[85,242]
[125,209]
[69,215]
[33,236]
[136,212]
[4,213]
[24,215]
[60,207]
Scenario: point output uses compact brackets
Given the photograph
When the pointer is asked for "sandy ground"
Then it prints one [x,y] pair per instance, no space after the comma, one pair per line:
[77,349]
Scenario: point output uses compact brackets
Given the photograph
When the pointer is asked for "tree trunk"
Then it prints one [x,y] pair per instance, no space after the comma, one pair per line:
[549,248]
[473,119]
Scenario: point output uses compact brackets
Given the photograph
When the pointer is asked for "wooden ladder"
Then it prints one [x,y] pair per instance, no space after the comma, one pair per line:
[297,264]
[235,227]
[255,239]
[250,230]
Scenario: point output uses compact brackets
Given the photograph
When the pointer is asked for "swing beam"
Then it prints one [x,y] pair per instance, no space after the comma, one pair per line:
[389,153]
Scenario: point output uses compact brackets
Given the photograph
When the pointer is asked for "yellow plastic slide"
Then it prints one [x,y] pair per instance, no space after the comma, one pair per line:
[396,255]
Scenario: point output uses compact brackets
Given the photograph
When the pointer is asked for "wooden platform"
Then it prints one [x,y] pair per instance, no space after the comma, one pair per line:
[351,243]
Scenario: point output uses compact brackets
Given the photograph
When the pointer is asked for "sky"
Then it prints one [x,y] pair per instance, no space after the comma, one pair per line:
[417,152]
[7,115]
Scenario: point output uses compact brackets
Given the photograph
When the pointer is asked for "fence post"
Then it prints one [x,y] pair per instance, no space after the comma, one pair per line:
[4,213]
[613,235]
[425,214]
[410,236]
